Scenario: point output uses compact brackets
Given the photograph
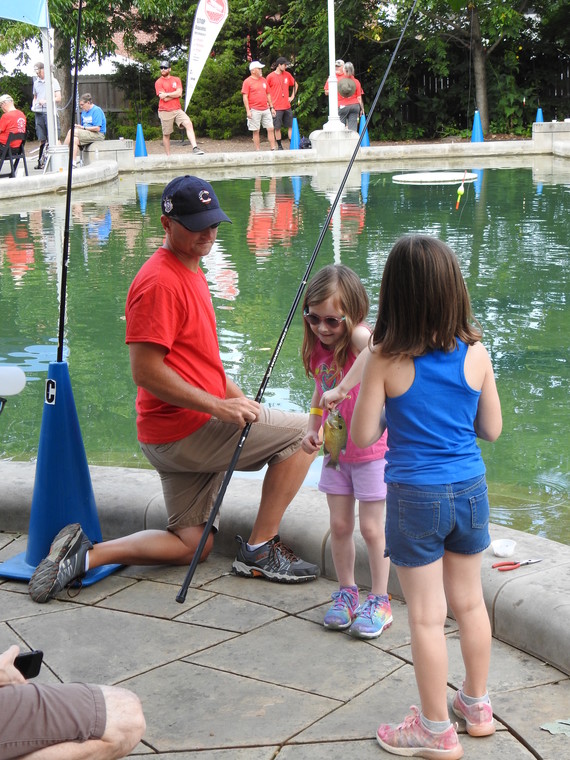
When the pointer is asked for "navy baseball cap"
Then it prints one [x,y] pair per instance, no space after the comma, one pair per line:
[192,202]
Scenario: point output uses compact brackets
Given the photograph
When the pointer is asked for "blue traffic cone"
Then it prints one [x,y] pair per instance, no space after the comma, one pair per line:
[364,182]
[477,132]
[142,192]
[140,146]
[365,140]
[295,137]
[539,116]
[63,492]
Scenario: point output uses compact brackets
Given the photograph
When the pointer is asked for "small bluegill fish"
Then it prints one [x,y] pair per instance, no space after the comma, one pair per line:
[335,436]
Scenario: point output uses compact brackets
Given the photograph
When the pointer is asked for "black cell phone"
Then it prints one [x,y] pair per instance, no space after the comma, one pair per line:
[29,663]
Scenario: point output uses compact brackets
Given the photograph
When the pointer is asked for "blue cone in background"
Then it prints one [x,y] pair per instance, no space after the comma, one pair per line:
[142,192]
[140,145]
[364,182]
[63,492]
[295,137]
[365,140]
[477,132]
[296,182]
[539,116]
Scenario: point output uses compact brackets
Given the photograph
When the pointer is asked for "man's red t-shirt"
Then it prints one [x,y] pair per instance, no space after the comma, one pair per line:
[171,306]
[256,91]
[168,84]
[279,85]
[12,121]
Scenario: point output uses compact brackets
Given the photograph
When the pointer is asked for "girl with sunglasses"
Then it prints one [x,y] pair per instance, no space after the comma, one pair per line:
[435,378]
[334,307]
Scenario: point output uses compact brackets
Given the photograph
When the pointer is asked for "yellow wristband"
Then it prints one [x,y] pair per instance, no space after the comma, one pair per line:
[316,410]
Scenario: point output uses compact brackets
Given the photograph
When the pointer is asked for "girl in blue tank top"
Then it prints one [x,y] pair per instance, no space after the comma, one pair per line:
[426,364]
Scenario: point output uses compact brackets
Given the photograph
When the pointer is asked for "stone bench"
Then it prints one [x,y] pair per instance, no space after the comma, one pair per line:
[121,151]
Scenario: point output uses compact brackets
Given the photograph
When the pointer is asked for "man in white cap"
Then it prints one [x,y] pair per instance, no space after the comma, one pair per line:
[258,105]
[11,121]
[339,72]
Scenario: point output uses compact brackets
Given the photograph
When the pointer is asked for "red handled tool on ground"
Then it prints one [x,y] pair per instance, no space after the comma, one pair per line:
[512,564]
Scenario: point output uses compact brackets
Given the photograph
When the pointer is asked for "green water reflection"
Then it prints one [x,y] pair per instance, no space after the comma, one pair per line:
[511,237]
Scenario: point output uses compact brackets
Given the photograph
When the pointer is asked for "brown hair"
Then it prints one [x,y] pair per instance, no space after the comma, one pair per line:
[424,303]
[86,98]
[344,285]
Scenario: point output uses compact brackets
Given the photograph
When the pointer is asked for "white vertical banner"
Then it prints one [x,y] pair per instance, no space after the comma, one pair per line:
[209,19]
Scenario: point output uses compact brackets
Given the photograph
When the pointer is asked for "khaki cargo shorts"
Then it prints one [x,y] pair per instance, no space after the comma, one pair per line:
[192,469]
[170,119]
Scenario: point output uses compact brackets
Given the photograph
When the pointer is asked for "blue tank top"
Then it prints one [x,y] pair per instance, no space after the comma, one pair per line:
[431,438]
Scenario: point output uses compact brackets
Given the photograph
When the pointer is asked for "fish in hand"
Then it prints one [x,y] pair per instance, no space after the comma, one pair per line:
[335,436]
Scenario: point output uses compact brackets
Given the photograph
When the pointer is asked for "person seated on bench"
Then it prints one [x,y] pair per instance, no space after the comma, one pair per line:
[92,128]
[11,121]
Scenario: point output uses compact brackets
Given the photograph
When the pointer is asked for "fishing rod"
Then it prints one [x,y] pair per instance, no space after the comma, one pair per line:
[65,253]
[181,596]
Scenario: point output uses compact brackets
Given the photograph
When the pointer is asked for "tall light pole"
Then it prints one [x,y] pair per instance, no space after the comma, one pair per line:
[334,123]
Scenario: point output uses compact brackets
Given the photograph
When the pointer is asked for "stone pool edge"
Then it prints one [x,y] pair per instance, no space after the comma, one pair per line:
[529,608]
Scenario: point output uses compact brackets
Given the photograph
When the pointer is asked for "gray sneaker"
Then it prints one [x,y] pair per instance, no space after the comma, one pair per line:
[64,564]
[197,152]
[273,561]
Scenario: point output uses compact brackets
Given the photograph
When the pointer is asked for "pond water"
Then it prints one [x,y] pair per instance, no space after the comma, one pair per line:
[509,232]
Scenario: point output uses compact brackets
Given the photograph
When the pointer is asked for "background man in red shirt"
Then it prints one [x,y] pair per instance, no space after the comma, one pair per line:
[258,105]
[11,121]
[169,91]
[282,88]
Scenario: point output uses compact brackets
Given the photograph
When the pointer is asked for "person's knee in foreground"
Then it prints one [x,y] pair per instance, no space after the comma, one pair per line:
[74,721]
[190,416]
[334,308]
[428,366]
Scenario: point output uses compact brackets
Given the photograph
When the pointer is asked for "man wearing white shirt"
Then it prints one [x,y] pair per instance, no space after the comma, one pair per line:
[39,106]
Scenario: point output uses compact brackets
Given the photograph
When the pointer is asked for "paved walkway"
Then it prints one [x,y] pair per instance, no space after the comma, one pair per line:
[244,669]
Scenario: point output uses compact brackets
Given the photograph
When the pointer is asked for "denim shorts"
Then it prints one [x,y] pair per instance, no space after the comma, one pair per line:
[423,522]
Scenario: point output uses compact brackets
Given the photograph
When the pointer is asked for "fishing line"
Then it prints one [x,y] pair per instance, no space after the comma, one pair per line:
[65,254]
[181,596]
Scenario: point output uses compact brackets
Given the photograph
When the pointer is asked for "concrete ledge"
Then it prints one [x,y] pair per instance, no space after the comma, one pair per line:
[56,182]
[514,153]
[121,151]
[529,607]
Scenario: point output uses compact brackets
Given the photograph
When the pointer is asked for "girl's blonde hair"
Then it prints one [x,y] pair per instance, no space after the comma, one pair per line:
[424,304]
[344,285]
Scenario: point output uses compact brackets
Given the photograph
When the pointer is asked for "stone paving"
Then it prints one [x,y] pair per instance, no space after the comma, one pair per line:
[244,668]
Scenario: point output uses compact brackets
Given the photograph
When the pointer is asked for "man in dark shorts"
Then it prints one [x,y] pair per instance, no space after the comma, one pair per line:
[72,721]
[283,88]
[190,417]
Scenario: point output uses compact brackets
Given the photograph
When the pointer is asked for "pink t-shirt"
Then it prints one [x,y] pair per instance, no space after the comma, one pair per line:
[171,306]
[328,375]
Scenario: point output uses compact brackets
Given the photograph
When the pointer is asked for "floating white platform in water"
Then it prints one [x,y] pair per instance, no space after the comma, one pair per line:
[434,178]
